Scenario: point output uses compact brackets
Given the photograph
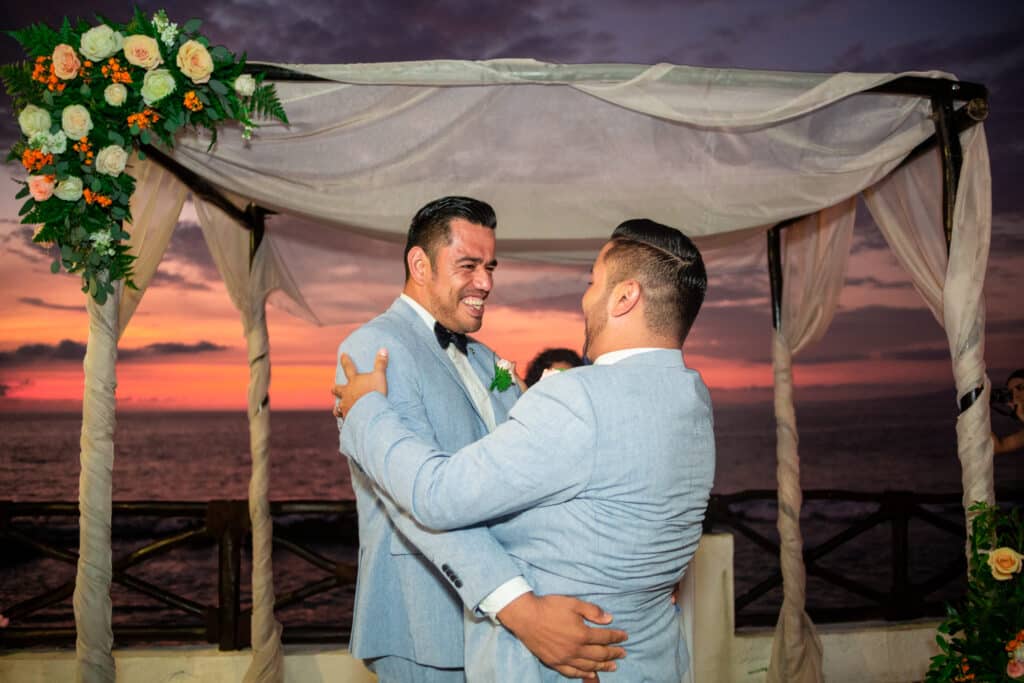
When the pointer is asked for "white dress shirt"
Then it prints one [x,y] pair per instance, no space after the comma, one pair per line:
[513,588]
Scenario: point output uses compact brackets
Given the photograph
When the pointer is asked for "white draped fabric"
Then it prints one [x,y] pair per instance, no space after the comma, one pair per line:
[155,206]
[814,254]
[907,209]
[95,566]
[564,153]
[248,286]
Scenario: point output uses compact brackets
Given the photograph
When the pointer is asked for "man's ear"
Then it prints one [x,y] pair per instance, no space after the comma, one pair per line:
[625,296]
[419,265]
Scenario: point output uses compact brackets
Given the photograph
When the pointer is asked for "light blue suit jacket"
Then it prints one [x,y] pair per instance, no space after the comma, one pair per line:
[412,582]
[597,484]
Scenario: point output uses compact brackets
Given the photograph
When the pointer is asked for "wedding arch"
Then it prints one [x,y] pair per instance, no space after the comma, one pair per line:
[564,153]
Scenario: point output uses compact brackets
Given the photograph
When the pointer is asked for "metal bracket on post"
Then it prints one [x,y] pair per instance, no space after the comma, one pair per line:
[256,220]
[952,160]
[775,273]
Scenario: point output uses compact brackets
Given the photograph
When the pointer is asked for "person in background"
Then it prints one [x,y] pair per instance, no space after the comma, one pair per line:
[551,359]
[1015,441]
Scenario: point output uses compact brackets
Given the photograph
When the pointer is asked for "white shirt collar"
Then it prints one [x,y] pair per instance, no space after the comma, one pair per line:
[423,313]
[613,357]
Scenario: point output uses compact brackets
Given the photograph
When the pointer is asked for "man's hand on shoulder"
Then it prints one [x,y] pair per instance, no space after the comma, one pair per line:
[554,629]
[360,384]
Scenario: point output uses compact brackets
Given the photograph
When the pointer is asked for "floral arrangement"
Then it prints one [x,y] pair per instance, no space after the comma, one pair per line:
[89,97]
[983,638]
[503,370]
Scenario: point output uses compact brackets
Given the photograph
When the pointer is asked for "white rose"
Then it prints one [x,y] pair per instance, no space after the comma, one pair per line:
[111,160]
[100,42]
[69,189]
[33,119]
[157,85]
[76,122]
[506,365]
[115,94]
[245,85]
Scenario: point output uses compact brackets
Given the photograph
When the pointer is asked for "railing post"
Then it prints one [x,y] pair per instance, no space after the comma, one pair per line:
[903,603]
[228,520]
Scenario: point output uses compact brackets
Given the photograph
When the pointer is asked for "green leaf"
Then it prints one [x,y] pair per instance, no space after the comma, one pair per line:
[23,192]
[192,25]
[142,155]
[115,138]
[85,90]
[144,137]
[222,55]
[96,185]
[118,212]
[218,87]
[55,266]
[28,206]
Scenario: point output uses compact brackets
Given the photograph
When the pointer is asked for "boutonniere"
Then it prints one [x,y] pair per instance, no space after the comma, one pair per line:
[503,370]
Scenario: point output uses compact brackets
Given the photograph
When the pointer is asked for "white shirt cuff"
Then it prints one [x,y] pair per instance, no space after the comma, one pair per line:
[502,596]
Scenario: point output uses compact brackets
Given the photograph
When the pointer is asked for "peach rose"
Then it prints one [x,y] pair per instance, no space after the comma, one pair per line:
[1015,669]
[1004,563]
[65,62]
[142,51]
[195,62]
[40,187]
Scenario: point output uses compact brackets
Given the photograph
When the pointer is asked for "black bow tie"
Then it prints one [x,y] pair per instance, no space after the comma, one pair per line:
[446,337]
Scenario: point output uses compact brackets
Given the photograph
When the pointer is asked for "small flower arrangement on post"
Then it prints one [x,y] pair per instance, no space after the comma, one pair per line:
[983,638]
[88,98]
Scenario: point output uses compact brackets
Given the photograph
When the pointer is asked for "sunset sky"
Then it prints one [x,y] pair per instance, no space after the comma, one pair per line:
[184,348]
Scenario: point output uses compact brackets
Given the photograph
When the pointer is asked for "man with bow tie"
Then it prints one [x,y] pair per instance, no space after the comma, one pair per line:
[598,481]
[417,590]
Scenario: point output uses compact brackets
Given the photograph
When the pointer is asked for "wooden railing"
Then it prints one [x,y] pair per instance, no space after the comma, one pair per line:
[316,542]
[912,575]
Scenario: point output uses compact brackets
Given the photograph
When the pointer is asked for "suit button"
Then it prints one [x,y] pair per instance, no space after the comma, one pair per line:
[458,583]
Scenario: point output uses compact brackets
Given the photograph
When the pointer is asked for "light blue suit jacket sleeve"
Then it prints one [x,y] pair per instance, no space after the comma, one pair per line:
[540,456]
[483,563]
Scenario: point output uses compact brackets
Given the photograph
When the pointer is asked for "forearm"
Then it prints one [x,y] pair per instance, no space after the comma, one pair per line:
[504,473]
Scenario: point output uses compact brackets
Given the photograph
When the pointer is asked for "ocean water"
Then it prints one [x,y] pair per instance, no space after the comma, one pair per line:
[867,446]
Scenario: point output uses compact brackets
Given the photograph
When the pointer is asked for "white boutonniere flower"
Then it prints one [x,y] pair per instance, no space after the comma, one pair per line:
[503,370]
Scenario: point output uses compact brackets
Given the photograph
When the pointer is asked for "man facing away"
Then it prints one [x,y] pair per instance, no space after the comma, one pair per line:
[598,482]
[413,582]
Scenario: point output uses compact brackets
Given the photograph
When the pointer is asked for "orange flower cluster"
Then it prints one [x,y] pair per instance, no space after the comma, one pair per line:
[115,72]
[43,72]
[144,119]
[1016,642]
[96,198]
[192,102]
[34,159]
[83,72]
[965,674]
[83,147]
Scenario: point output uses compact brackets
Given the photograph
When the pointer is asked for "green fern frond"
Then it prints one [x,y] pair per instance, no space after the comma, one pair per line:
[18,83]
[264,102]
[37,40]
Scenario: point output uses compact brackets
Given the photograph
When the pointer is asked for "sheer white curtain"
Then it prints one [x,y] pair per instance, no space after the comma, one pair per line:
[814,253]
[155,206]
[908,209]
[248,287]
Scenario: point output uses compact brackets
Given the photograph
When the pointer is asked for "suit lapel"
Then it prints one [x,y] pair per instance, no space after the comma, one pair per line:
[425,336]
